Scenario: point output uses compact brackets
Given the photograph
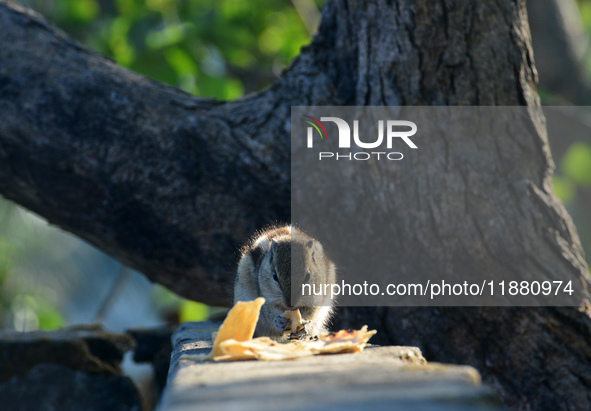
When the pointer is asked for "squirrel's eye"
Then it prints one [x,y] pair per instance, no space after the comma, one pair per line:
[275,276]
[307,277]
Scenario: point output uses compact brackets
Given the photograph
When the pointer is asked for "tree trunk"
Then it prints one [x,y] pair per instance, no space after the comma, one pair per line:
[172,185]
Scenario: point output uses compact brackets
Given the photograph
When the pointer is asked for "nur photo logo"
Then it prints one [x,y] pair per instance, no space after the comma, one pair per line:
[388,131]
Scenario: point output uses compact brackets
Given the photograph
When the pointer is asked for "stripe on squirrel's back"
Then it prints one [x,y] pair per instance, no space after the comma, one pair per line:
[256,254]
[278,232]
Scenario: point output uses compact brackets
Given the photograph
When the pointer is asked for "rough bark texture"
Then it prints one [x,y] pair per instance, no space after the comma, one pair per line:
[172,185]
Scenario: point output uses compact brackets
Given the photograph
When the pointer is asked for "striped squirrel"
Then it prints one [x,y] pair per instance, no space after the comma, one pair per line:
[275,259]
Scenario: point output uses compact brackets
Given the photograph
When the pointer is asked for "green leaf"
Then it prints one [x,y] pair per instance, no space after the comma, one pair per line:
[585,10]
[193,311]
[122,50]
[33,311]
[159,5]
[564,188]
[180,61]
[168,36]
[6,257]
[271,40]
[221,88]
[50,319]
[83,10]
[241,58]
[232,89]
[164,298]
[232,9]
[576,163]
[128,7]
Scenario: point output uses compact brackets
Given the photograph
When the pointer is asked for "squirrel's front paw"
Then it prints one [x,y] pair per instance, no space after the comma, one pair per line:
[282,324]
[303,335]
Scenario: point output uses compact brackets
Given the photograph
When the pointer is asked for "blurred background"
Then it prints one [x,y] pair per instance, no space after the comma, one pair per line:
[225,49]
[220,49]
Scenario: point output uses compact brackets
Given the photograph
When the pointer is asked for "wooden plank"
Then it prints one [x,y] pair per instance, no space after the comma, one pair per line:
[379,378]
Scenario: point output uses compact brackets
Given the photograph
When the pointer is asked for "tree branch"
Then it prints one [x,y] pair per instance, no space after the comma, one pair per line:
[170,184]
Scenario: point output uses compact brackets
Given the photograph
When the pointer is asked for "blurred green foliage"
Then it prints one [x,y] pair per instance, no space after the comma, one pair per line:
[193,311]
[171,305]
[6,256]
[21,308]
[572,179]
[219,49]
[572,184]
[574,172]
[32,311]
[576,164]
[565,188]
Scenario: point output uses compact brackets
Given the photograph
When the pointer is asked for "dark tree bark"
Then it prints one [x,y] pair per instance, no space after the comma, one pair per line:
[172,185]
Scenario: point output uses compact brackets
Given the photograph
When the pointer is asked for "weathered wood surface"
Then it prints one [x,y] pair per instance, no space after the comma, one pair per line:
[68,370]
[379,378]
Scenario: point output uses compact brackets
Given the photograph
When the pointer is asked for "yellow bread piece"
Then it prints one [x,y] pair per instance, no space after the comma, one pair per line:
[263,348]
[296,320]
[239,324]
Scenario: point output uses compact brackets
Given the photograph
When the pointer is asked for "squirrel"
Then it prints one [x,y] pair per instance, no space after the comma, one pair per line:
[270,263]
